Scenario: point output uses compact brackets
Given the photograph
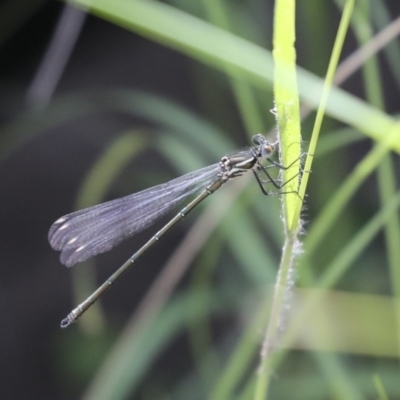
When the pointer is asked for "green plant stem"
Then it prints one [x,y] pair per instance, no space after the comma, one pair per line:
[288,121]
[284,282]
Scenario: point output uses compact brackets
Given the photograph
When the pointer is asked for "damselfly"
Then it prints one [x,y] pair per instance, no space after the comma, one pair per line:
[95,230]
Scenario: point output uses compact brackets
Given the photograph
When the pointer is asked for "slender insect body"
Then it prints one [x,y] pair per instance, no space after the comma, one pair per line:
[97,229]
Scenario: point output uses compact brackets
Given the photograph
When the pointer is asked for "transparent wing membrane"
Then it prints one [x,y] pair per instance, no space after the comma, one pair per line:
[97,229]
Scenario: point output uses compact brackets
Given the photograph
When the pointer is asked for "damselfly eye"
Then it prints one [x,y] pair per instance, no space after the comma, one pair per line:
[267,150]
[258,139]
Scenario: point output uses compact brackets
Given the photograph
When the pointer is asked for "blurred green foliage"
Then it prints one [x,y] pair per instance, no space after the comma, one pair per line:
[342,334]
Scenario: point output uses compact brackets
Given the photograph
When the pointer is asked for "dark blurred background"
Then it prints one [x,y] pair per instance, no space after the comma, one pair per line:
[51,140]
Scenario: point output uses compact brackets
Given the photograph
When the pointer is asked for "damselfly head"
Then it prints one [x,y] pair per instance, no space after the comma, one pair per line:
[266,148]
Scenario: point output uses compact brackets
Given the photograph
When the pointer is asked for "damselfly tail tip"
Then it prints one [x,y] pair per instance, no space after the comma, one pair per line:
[66,322]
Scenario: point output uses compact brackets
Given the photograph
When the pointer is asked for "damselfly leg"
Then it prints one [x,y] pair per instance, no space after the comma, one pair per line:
[274,181]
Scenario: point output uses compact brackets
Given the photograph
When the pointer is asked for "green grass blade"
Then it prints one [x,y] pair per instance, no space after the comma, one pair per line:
[218,48]
[337,49]
[288,121]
